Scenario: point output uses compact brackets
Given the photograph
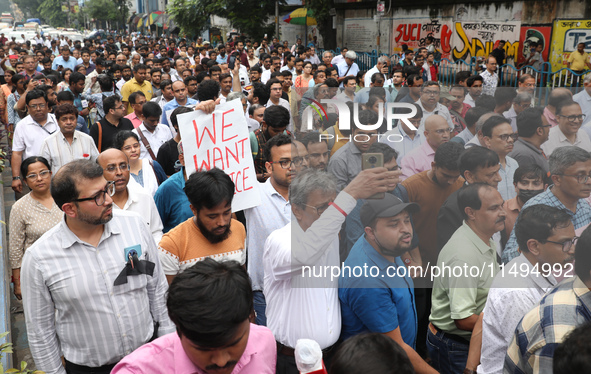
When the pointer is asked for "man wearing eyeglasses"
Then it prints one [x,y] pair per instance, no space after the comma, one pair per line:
[129,195]
[30,133]
[498,136]
[103,132]
[272,214]
[521,102]
[570,169]
[584,100]
[568,132]
[429,102]
[93,287]
[437,132]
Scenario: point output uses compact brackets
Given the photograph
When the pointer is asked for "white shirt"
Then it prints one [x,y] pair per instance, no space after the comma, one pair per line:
[369,74]
[160,136]
[557,139]
[141,202]
[439,109]
[342,96]
[337,60]
[284,103]
[298,306]
[73,308]
[160,100]
[506,187]
[511,296]
[29,135]
[399,140]
[511,116]
[469,100]
[273,214]
[120,83]
[253,124]
[265,76]
[58,151]
[584,101]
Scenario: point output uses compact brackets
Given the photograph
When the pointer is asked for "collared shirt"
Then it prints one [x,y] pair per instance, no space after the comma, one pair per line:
[550,117]
[342,96]
[490,82]
[558,139]
[346,70]
[401,142]
[135,120]
[97,98]
[455,298]
[581,217]
[511,116]
[29,135]
[362,96]
[140,201]
[463,137]
[513,293]
[417,160]
[544,327]
[58,151]
[506,187]
[439,109]
[73,308]
[578,61]
[160,136]
[132,86]
[59,60]
[166,355]
[172,202]
[370,74]
[473,142]
[345,164]
[584,101]
[273,214]
[172,105]
[469,100]
[292,292]
[392,296]
[526,153]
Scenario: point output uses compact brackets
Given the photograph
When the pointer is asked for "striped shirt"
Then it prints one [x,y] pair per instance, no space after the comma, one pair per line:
[544,327]
[71,306]
[58,151]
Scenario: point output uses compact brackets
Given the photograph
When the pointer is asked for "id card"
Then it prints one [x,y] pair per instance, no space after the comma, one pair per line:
[133,250]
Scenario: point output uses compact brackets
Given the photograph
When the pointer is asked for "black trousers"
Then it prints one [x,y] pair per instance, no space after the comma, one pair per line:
[72,368]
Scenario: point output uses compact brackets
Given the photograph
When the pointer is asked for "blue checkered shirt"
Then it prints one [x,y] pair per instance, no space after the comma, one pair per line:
[581,218]
[544,327]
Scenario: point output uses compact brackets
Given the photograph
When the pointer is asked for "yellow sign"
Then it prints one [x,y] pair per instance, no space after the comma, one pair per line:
[76,9]
[64,8]
[566,34]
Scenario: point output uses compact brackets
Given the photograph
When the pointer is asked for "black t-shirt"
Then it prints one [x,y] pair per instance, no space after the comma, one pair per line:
[109,131]
[167,156]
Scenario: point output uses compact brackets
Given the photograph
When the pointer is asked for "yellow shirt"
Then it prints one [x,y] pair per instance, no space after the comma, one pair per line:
[578,61]
[339,139]
[132,86]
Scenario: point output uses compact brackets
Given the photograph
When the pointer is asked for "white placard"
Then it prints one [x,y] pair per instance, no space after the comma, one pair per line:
[221,140]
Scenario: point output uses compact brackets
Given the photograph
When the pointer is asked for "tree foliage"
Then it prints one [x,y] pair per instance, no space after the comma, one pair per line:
[249,16]
[102,10]
[321,9]
[30,7]
[51,12]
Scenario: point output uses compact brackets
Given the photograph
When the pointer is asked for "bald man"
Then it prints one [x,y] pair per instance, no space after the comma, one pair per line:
[129,195]
[437,132]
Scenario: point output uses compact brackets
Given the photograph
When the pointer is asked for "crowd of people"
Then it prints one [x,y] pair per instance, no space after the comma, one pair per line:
[454,241]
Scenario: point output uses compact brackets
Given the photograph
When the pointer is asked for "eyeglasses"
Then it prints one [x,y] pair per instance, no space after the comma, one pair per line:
[37,106]
[506,137]
[119,107]
[320,209]
[100,197]
[580,178]
[431,93]
[43,174]
[286,164]
[580,117]
[122,166]
[524,105]
[567,244]
[443,131]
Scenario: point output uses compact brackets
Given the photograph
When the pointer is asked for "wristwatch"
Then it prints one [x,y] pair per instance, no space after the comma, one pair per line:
[15,178]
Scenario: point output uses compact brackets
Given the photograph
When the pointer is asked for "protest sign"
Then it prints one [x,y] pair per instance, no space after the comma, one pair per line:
[221,140]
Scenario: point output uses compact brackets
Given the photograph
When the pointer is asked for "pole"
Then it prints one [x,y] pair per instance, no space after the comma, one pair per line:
[277,19]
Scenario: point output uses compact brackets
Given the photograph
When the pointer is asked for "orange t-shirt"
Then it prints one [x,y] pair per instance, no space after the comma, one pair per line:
[185,245]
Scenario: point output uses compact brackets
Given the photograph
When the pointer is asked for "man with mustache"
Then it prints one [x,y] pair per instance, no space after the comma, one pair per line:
[459,292]
[210,304]
[388,235]
[545,236]
[76,304]
[129,196]
[211,232]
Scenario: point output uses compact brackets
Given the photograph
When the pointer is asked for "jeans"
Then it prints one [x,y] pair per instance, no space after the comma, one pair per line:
[260,305]
[448,356]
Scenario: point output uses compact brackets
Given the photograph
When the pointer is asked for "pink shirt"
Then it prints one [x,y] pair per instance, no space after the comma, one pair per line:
[417,160]
[166,355]
[550,117]
[135,120]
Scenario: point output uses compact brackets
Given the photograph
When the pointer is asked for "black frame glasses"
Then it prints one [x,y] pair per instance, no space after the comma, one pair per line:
[286,164]
[567,244]
[581,179]
[100,197]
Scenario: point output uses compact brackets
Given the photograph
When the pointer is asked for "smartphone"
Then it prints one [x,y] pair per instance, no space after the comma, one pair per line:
[85,105]
[373,160]
[231,62]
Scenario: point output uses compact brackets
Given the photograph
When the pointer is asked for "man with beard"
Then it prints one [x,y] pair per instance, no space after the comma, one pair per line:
[538,233]
[388,219]
[272,214]
[318,152]
[211,233]
[275,121]
[180,99]
[458,299]
[124,306]
[129,196]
